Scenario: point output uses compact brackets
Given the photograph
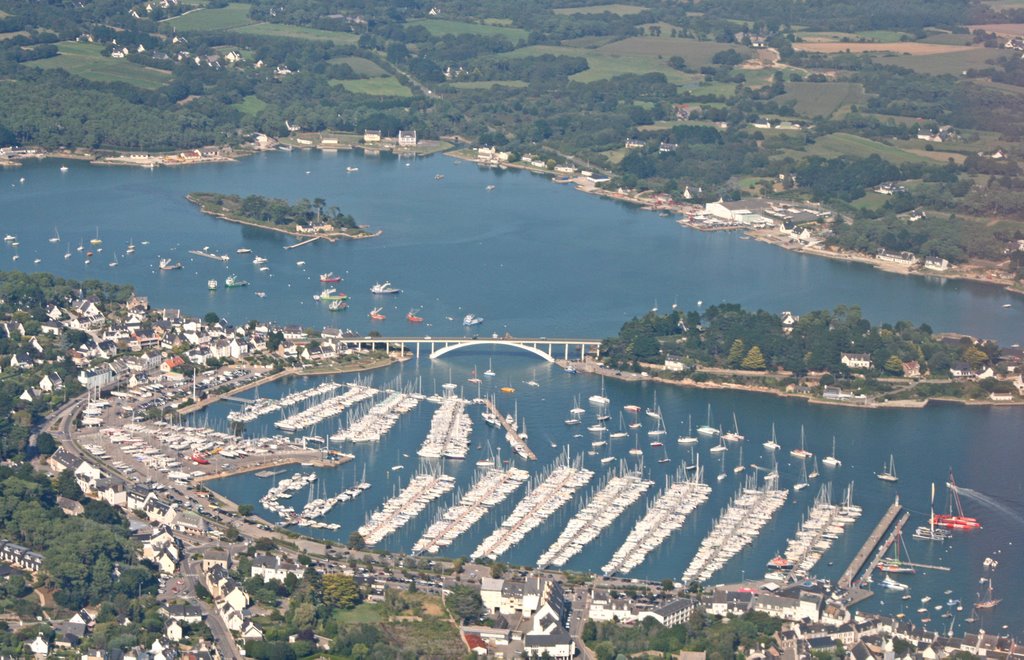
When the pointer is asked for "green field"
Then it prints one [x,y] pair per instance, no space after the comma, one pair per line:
[879,36]
[871,201]
[951,63]
[388,86]
[296,32]
[362,613]
[621,10]
[250,105]
[696,53]
[438,26]
[839,144]
[86,60]
[361,66]
[235,15]
[604,66]
[10,35]
[822,99]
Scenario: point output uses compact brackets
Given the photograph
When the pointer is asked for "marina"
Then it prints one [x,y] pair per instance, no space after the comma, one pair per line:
[490,489]
[516,439]
[423,489]
[258,407]
[326,409]
[449,430]
[737,527]
[824,523]
[604,508]
[370,424]
[667,513]
[537,506]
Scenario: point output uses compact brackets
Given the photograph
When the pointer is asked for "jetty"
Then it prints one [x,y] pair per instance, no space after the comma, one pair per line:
[667,513]
[846,580]
[326,409]
[604,508]
[372,423]
[825,522]
[512,434]
[539,504]
[256,408]
[422,490]
[449,430]
[492,488]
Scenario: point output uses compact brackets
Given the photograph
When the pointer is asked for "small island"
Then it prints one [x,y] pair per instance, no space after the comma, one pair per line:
[827,356]
[306,219]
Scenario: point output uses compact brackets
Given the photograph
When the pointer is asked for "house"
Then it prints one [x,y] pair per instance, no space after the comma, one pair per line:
[903,258]
[961,370]
[407,138]
[61,460]
[174,631]
[232,618]
[20,556]
[667,147]
[501,596]
[371,137]
[70,507]
[251,631]
[672,613]
[234,596]
[39,646]
[936,263]
[270,567]
[911,369]
[51,382]
[186,612]
[674,363]
[634,143]
[856,360]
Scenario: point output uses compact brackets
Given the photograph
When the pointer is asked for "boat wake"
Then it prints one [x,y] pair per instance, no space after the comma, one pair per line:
[990,502]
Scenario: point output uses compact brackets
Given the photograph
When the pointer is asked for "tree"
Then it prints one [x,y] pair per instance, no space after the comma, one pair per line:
[589,630]
[45,444]
[894,365]
[245,509]
[356,541]
[340,590]
[975,357]
[231,534]
[66,486]
[464,602]
[735,353]
[754,359]
[210,318]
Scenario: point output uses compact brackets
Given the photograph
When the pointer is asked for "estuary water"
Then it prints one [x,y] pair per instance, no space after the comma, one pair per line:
[538,259]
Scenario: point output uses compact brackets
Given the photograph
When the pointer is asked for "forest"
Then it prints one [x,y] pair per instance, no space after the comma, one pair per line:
[273,212]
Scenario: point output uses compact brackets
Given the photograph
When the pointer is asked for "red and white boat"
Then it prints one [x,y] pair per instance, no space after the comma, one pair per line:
[200,459]
[957,521]
[411,317]
[779,562]
[329,278]
[376,314]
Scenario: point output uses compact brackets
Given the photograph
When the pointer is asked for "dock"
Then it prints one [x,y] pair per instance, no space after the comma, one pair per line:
[519,445]
[210,255]
[846,581]
[308,241]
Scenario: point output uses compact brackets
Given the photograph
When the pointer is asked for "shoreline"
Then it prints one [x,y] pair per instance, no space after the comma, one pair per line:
[629,376]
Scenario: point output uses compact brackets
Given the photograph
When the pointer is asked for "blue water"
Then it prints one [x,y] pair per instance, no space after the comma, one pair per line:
[535,258]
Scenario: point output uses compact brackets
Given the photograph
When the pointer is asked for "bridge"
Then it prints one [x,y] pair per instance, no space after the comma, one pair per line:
[543,347]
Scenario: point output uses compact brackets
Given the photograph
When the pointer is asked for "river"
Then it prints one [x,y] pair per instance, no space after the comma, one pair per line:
[535,258]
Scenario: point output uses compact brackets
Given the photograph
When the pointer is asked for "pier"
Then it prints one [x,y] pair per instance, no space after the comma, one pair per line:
[307,242]
[519,445]
[210,255]
[846,581]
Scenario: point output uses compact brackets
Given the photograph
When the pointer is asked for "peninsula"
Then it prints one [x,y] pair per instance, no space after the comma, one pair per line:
[307,219]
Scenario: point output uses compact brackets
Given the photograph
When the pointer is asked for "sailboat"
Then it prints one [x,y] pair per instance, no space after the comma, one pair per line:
[739,468]
[989,601]
[636,451]
[659,429]
[654,411]
[97,240]
[949,520]
[896,564]
[67,251]
[771,445]
[56,236]
[621,433]
[575,413]
[929,532]
[635,424]
[607,458]
[664,456]
[490,370]
[708,430]
[721,474]
[814,470]
[803,476]
[689,438]
[802,451]
[888,472]
[131,246]
[600,399]
[720,447]
[473,377]
[734,435]
[533,380]
[81,246]
[831,460]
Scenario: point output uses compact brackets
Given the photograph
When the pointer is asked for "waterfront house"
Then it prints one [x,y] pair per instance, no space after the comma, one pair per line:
[911,369]
[501,596]
[674,363]
[270,567]
[371,137]
[903,258]
[407,138]
[856,360]
[962,370]
[937,264]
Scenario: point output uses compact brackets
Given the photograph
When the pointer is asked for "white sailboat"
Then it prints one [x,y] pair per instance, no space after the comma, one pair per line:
[654,411]
[636,451]
[708,430]
[888,472]
[771,445]
[720,447]
[802,451]
[621,433]
[739,468]
[734,435]
[659,429]
[803,476]
[575,414]
[832,461]
[599,399]
[814,470]
[490,369]
[689,438]
[721,474]
[56,236]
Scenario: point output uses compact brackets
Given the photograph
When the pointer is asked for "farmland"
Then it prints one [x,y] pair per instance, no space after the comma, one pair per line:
[438,27]
[235,15]
[361,66]
[696,53]
[86,60]
[944,63]
[839,144]
[907,47]
[620,9]
[296,32]
[822,99]
[388,86]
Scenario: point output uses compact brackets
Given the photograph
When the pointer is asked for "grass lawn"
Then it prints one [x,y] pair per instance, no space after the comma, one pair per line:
[296,32]
[235,15]
[388,86]
[251,105]
[879,36]
[939,63]
[822,99]
[604,66]
[362,613]
[838,144]
[488,84]
[872,201]
[85,60]
[439,26]
[621,10]
[696,53]
[361,65]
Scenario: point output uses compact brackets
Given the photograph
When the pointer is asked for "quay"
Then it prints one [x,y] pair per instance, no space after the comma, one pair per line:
[519,445]
[846,581]
[317,460]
